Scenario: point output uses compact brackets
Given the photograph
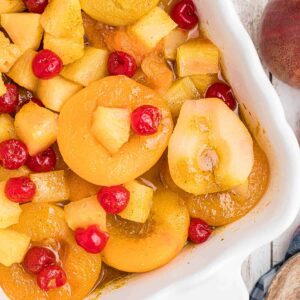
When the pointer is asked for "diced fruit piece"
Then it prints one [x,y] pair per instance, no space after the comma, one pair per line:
[181,90]
[63,21]
[24,29]
[50,186]
[7,128]
[51,277]
[36,126]
[121,63]
[54,92]
[11,6]
[112,13]
[134,247]
[199,231]
[85,155]
[9,211]
[10,100]
[113,199]
[140,202]
[21,72]
[111,127]
[43,161]
[172,41]
[69,50]
[13,246]
[197,56]
[2,86]
[210,150]
[85,212]
[36,6]
[9,53]
[202,82]
[153,27]
[6,174]
[90,67]
[91,239]
[46,64]
[184,14]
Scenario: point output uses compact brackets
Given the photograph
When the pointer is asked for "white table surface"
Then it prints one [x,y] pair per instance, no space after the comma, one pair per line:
[262,259]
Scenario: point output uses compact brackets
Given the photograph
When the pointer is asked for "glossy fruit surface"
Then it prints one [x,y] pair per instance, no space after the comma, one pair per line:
[44,161]
[184,14]
[9,101]
[121,63]
[13,154]
[36,6]
[51,277]
[199,231]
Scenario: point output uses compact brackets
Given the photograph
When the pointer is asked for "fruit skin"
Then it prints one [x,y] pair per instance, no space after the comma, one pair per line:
[199,231]
[36,126]
[7,128]
[88,158]
[153,27]
[24,29]
[9,101]
[142,249]
[43,161]
[172,41]
[112,13]
[11,6]
[13,246]
[51,277]
[210,150]
[121,63]
[279,40]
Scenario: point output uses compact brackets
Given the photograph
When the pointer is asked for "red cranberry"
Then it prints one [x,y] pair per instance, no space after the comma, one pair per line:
[51,277]
[42,162]
[145,120]
[37,259]
[222,91]
[185,15]
[20,189]
[10,100]
[121,63]
[13,154]
[199,231]
[46,64]
[113,199]
[36,6]
[92,239]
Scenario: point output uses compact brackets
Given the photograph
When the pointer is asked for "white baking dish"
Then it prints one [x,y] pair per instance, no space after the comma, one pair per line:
[212,271]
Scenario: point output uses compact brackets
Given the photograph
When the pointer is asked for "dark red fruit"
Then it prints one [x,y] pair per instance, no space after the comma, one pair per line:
[13,154]
[42,162]
[46,64]
[51,277]
[199,231]
[36,6]
[222,91]
[37,259]
[9,101]
[92,239]
[185,15]
[121,63]
[145,120]
[20,189]
[113,199]
[37,101]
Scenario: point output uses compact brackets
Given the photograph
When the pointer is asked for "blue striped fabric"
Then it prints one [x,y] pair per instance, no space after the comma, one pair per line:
[261,287]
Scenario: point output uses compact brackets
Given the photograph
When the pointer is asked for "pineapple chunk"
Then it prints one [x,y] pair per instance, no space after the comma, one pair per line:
[36,126]
[24,29]
[153,27]
[50,186]
[111,127]
[14,246]
[69,50]
[6,174]
[7,128]
[9,53]
[196,57]
[91,67]
[63,20]
[9,211]
[140,202]
[21,71]
[54,92]
[2,86]
[181,90]
[85,212]
[11,6]
[172,41]
[202,82]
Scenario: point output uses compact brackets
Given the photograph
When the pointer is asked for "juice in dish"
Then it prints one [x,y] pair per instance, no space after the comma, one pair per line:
[120,142]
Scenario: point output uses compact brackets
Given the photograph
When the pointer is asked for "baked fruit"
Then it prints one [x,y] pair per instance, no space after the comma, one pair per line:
[89,158]
[7,128]
[11,6]
[210,149]
[141,248]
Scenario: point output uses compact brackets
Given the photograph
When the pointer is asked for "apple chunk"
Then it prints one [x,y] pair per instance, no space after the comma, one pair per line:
[210,150]
[111,127]
[36,126]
